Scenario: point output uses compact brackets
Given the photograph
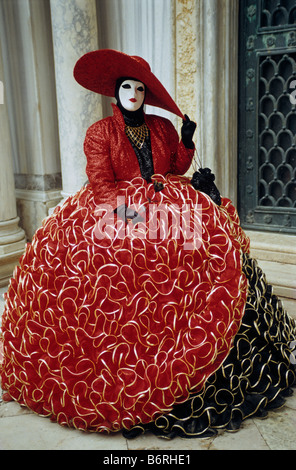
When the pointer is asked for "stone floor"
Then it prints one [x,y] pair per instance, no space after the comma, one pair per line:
[20,429]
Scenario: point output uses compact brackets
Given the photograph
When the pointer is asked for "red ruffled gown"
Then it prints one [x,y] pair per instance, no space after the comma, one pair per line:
[109,326]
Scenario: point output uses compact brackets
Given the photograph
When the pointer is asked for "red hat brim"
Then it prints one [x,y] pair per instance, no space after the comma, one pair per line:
[99,70]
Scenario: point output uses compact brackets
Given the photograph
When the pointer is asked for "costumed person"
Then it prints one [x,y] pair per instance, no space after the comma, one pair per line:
[136,306]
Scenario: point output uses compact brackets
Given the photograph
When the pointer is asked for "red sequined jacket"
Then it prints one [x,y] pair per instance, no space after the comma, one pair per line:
[111,158]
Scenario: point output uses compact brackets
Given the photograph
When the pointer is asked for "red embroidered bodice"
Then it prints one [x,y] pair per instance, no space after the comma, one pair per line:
[111,158]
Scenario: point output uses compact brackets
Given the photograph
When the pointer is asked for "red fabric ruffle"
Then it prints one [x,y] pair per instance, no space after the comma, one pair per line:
[104,327]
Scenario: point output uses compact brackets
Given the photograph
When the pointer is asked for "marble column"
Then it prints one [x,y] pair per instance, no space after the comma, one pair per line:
[206,37]
[74,32]
[25,35]
[12,237]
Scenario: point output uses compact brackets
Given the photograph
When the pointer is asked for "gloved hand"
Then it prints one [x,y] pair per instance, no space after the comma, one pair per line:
[203,180]
[126,213]
[187,131]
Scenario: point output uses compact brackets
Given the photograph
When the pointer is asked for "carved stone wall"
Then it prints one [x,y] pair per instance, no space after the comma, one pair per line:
[186,51]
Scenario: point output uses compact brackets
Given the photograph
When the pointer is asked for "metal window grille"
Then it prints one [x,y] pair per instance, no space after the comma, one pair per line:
[267,115]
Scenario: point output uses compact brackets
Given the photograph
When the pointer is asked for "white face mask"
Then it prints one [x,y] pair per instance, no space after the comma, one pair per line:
[132,94]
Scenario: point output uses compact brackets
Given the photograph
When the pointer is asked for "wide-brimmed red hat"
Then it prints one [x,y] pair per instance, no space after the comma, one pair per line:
[99,70]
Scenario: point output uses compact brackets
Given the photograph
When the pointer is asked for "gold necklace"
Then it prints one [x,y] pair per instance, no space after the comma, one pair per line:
[137,134]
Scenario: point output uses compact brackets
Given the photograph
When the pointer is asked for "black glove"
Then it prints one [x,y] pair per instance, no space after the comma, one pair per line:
[187,132]
[126,213]
[203,180]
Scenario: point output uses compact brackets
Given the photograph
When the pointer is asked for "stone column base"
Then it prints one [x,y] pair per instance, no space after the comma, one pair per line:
[12,246]
[34,206]
[276,256]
